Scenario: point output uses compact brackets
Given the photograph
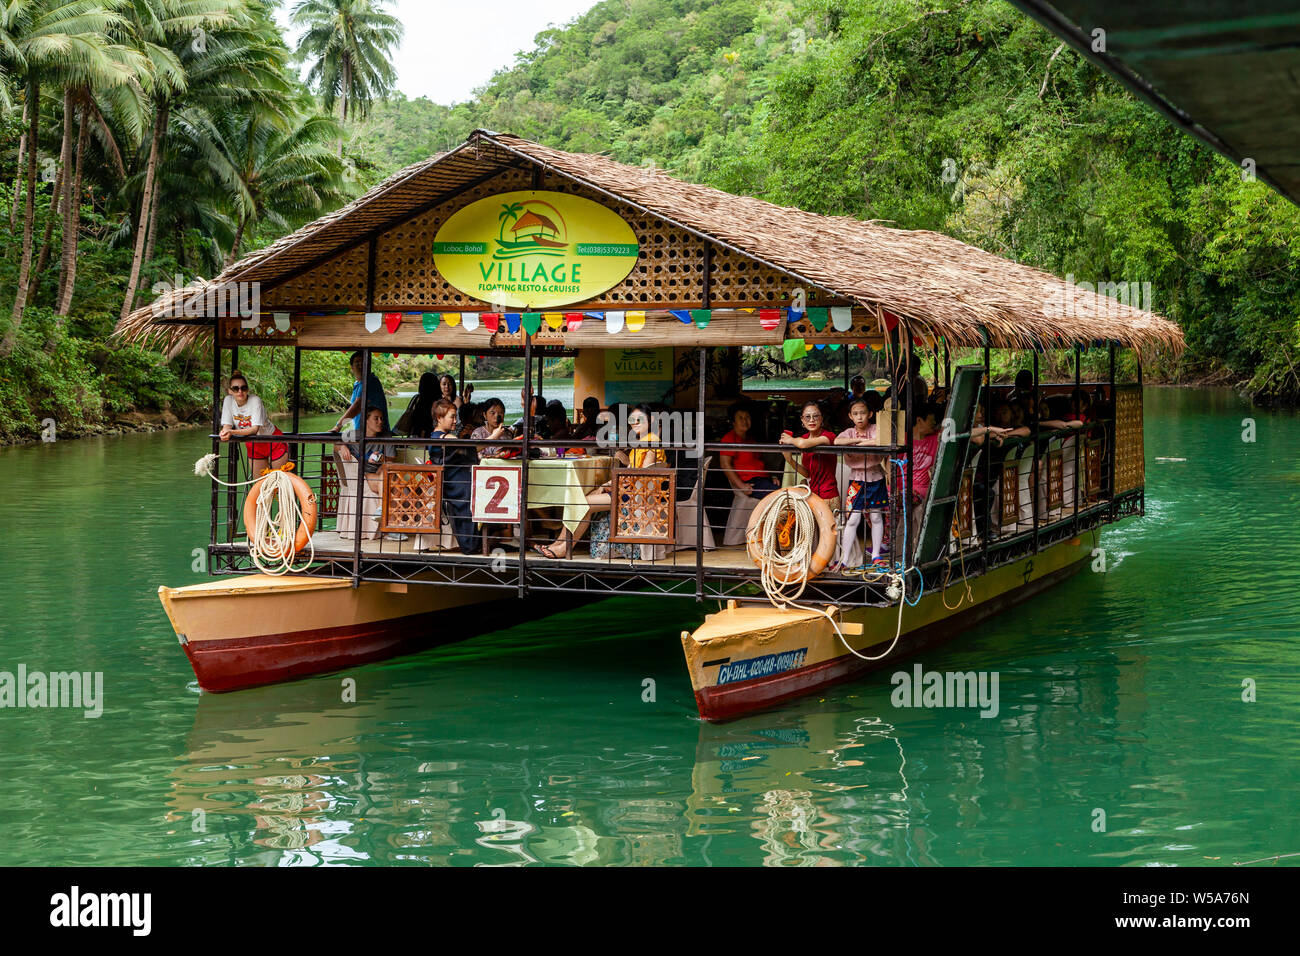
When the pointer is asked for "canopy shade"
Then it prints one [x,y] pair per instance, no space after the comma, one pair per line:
[1225,71]
[940,286]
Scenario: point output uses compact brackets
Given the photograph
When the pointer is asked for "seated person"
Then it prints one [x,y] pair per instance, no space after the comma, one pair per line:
[538,416]
[818,468]
[590,425]
[376,454]
[557,421]
[242,413]
[745,470]
[493,428]
[925,450]
[646,456]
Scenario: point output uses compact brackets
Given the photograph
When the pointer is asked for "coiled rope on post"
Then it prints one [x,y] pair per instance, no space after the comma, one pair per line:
[278,516]
[791,515]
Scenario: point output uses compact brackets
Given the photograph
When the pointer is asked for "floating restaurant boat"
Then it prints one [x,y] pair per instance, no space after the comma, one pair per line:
[660,287]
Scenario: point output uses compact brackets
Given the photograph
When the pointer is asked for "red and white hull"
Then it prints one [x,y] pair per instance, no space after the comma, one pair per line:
[262,629]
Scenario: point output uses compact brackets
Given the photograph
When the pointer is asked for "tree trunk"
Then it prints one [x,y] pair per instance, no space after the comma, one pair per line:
[239,237]
[18,174]
[60,188]
[142,226]
[157,194]
[29,215]
[72,225]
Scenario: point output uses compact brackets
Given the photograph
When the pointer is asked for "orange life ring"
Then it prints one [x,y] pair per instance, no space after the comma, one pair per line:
[306,505]
[826,534]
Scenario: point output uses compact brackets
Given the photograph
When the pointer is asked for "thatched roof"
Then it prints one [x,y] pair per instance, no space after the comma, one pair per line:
[941,286]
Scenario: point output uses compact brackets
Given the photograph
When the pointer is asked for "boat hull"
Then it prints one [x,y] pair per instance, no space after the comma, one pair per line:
[795,653]
[261,629]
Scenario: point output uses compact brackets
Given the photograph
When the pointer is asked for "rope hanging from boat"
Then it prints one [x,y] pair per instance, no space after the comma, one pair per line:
[278,519]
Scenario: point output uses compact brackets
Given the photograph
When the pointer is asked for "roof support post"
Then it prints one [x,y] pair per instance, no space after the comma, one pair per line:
[297,404]
[216,426]
[523,464]
[1082,435]
[1038,417]
[986,505]
[703,358]
[361,461]
[232,466]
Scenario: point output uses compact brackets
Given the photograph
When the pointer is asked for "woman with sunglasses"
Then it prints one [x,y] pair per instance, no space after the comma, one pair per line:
[243,414]
[645,455]
[818,468]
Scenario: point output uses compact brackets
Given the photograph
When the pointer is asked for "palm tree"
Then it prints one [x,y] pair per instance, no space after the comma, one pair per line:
[350,45]
[159,28]
[65,41]
[272,177]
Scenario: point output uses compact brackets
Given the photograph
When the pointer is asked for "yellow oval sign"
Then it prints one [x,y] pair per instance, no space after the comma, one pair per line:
[533,248]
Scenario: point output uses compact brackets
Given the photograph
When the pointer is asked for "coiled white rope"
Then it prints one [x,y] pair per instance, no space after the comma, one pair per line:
[776,569]
[270,540]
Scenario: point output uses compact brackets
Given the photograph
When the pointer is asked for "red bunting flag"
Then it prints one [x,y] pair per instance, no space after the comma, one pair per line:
[392,320]
[572,320]
[491,321]
[769,319]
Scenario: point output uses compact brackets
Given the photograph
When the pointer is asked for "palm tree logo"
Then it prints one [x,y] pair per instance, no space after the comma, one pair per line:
[533,227]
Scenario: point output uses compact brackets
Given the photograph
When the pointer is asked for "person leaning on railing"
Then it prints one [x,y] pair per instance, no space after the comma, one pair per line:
[374,396]
[817,467]
[243,414]
[645,455]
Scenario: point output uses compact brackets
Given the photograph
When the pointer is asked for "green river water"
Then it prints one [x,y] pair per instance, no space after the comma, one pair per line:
[1120,692]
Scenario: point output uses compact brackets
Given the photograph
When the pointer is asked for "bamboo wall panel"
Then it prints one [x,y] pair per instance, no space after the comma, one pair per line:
[337,284]
[1130,460]
[669,273]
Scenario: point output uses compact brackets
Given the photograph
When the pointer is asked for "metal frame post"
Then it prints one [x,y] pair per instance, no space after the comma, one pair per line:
[523,474]
[297,404]
[232,466]
[361,465]
[1038,417]
[699,482]
[987,503]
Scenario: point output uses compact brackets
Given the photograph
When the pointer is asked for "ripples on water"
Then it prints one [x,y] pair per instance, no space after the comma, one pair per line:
[1118,692]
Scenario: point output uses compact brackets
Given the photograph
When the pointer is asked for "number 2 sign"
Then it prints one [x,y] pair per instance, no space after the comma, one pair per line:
[496,496]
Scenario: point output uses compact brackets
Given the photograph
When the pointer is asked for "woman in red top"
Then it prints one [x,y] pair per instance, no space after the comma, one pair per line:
[818,468]
[745,470]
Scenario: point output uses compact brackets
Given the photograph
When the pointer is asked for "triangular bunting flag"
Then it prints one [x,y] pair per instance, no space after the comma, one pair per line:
[769,319]
[532,322]
[796,315]
[819,346]
[818,318]
[835,346]
[613,321]
[636,320]
[491,321]
[373,321]
[682,315]
[281,320]
[702,317]
[439,356]
[572,321]
[891,320]
[451,318]
[469,320]
[553,319]
[512,322]
[842,318]
[392,321]
[430,320]
[792,349]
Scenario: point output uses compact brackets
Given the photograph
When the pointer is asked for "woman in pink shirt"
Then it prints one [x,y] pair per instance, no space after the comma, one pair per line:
[867,491]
